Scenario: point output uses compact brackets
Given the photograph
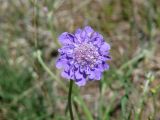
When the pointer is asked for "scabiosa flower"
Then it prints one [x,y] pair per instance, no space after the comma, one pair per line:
[83,55]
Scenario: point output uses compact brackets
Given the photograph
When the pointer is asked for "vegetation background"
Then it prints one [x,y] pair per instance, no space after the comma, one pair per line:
[30,85]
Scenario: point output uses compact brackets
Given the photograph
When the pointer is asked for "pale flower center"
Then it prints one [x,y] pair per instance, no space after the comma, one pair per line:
[86,54]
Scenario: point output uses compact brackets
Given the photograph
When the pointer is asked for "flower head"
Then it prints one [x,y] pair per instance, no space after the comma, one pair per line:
[83,55]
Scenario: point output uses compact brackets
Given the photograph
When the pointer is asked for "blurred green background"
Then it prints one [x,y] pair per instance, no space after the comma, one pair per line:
[31,87]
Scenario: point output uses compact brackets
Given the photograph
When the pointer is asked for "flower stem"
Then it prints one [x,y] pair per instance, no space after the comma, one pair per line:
[69,100]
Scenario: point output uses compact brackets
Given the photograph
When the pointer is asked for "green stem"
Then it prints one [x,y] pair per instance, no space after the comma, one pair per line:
[69,100]
[38,55]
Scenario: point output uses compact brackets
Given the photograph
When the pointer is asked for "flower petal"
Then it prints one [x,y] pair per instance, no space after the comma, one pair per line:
[88,30]
[66,49]
[61,63]
[66,38]
[81,82]
[78,34]
[83,36]
[102,67]
[104,48]
[78,75]
[95,75]
[65,75]
[92,75]
[98,75]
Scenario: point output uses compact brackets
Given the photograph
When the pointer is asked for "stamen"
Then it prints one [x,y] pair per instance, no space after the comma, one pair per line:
[86,54]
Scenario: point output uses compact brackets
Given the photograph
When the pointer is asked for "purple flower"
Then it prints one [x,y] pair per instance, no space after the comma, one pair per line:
[83,55]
